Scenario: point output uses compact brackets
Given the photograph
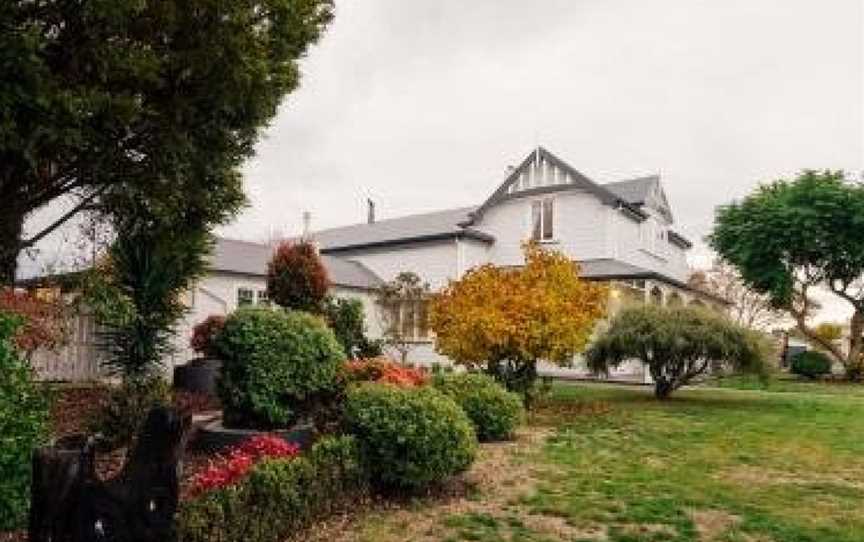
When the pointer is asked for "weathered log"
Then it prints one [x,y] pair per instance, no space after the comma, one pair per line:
[136,506]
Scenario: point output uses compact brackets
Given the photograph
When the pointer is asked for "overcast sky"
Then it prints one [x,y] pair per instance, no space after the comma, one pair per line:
[423,104]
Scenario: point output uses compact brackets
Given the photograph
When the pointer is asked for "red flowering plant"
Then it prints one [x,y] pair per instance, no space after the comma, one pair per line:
[386,371]
[204,335]
[231,467]
[43,314]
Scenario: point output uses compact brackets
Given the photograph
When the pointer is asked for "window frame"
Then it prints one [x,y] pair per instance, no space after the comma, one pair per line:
[542,220]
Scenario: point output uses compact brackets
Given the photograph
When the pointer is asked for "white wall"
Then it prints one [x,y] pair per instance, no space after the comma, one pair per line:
[579,226]
[434,261]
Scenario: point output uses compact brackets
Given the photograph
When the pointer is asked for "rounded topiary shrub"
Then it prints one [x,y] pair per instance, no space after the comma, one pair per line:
[811,364]
[409,438]
[494,411]
[277,366]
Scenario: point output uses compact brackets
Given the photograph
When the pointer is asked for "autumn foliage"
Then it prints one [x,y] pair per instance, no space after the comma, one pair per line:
[43,318]
[385,371]
[507,319]
[204,335]
[296,277]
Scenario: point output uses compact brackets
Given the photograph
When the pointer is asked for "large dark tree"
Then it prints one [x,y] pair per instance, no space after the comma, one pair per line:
[789,238]
[96,95]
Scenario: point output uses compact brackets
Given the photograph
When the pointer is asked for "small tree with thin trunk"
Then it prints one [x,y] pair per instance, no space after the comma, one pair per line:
[397,300]
[505,320]
[676,344]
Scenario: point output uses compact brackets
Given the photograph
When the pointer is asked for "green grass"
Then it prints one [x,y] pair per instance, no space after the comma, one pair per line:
[766,466]
[786,383]
[709,465]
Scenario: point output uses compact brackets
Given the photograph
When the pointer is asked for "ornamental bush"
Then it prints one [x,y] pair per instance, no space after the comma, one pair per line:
[205,333]
[23,426]
[494,411]
[297,278]
[277,367]
[811,364]
[385,371]
[409,438]
[278,496]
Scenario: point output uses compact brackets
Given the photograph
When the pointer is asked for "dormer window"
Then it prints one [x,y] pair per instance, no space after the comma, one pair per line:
[542,220]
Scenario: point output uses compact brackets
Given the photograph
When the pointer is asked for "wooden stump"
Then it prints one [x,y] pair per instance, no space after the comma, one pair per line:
[70,504]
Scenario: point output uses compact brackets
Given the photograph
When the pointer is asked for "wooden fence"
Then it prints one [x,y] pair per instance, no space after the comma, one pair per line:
[77,360]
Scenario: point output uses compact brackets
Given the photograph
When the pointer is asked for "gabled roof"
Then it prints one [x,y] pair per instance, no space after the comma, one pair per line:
[643,192]
[635,191]
[247,258]
[575,180]
[408,229]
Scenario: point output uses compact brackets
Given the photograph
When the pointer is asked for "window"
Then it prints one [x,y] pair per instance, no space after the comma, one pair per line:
[542,220]
[263,298]
[245,296]
[411,319]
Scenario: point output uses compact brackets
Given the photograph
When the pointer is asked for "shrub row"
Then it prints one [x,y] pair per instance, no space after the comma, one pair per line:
[811,364]
[278,497]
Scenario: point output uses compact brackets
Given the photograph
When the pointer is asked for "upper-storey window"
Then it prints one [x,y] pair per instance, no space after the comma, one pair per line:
[542,220]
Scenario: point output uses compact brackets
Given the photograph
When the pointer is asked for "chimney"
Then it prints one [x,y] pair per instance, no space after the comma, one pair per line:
[307,224]
[370,216]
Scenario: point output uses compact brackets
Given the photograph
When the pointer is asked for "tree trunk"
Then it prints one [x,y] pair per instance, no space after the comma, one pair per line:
[69,504]
[663,388]
[11,228]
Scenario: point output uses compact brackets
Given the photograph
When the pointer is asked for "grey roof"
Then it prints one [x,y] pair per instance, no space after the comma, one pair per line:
[634,191]
[604,268]
[609,269]
[234,256]
[422,227]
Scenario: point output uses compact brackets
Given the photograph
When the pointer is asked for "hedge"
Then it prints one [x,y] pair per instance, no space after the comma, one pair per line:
[278,497]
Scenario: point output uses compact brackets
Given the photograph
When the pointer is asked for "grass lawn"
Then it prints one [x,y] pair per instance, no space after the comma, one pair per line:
[606,463]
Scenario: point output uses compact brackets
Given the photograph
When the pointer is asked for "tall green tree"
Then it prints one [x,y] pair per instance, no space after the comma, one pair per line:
[106,94]
[789,238]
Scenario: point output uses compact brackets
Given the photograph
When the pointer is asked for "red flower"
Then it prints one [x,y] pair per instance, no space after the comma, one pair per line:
[229,468]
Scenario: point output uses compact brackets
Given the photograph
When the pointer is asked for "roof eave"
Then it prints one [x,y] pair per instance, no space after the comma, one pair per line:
[465,233]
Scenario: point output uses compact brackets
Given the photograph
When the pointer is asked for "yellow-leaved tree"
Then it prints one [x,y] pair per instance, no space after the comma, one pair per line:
[505,320]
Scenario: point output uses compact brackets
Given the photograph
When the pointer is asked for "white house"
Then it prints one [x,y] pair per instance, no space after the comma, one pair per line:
[620,232]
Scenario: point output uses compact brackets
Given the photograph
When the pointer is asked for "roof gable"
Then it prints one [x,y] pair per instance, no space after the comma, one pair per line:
[541,172]
[644,192]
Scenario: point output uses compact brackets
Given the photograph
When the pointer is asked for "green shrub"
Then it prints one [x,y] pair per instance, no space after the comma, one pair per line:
[811,364]
[348,322]
[23,427]
[494,411]
[126,407]
[279,497]
[277,366]
[409,438]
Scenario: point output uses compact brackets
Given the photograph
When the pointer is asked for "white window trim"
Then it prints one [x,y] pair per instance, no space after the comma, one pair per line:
[541,201]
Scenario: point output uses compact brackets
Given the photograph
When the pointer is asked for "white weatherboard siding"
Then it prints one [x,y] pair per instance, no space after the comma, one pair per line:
[631,246]
[434,261]
[579,224]
[471,254]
